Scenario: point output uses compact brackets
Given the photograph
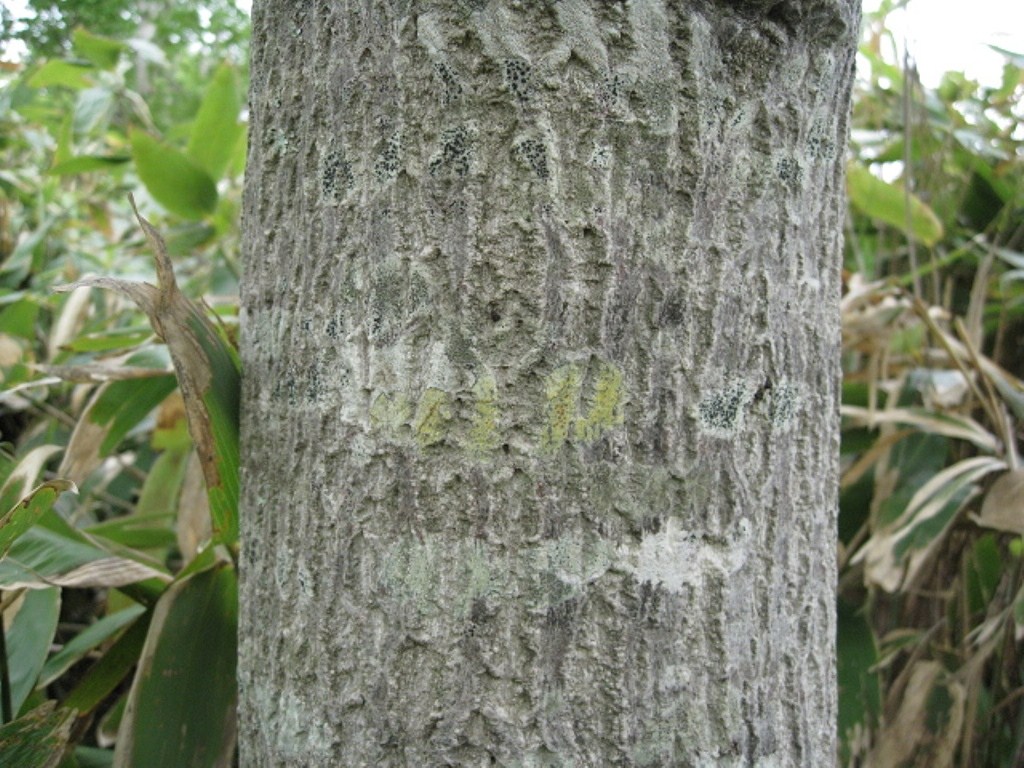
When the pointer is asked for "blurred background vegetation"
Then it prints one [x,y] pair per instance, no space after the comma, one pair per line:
[112,585]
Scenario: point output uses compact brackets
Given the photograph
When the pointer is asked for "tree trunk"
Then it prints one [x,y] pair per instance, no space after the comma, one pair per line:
[540,413]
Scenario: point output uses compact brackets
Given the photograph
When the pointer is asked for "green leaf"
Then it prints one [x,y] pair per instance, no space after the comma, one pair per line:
[93,757]
[85,641]
[22,477]
[28,640]
[27,512]
[37,739]
[138,531]
[62,73]
[860,695]
[116,338]
[19,319]
[181,709]
[101,51]
[55,553]
[208,376]
[888,203]
[123,404]
[87,163]
[92,109]
[216,130]
[113,667]
[172,179]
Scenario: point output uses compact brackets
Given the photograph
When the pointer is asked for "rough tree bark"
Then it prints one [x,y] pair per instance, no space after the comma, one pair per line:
[541,369]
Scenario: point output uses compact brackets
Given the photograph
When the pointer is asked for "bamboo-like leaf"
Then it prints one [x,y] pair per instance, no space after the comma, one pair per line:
[216,129]
[178,184]
[208,375]
[105,675]
[1003,508]
[909,732]
[167,723]
[889,203]
[23,477]
[85,641]
[959,427]
[37,739]
[26,512]
[53,553]
[33,621]
[895,554]
[116,408]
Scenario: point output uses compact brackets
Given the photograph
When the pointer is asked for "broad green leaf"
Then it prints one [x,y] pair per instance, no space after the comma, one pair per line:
[115,338]
[174,181]
[216,130]
[19,319]
[111,668]
[85,641]
[115,409]
[28,640]
[896,553]
[93,757]
[137,531]
[208,376]
[54,553]
[87,163]
[92,109]
[859,691]
[27,512]
[63,73]
[887,202]
[181,709]
[101,51]
[160,491]
[37,739]
[984,570]
[22,478]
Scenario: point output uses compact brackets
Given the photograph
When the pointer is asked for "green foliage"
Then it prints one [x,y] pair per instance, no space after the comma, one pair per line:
[108,552]
[931,507]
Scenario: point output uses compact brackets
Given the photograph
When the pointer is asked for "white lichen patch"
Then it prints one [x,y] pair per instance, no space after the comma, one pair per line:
[675,558]
[784,401]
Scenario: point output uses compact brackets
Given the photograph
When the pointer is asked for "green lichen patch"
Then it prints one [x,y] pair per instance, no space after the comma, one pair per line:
[605,411]
[433,415]
[561,394]
[389,412]
[483,432]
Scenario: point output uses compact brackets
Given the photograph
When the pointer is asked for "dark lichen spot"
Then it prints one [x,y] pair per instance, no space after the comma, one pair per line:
[336,176]
[533,154]
[455,153]
[611,93]
[517,79]
[386,166]
[789,170]
[451,88]
[721,412]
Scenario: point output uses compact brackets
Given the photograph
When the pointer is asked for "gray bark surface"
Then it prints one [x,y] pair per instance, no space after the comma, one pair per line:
[540,409]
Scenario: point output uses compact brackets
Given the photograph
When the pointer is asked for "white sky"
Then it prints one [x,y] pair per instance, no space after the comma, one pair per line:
[945,35]
[942,34]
